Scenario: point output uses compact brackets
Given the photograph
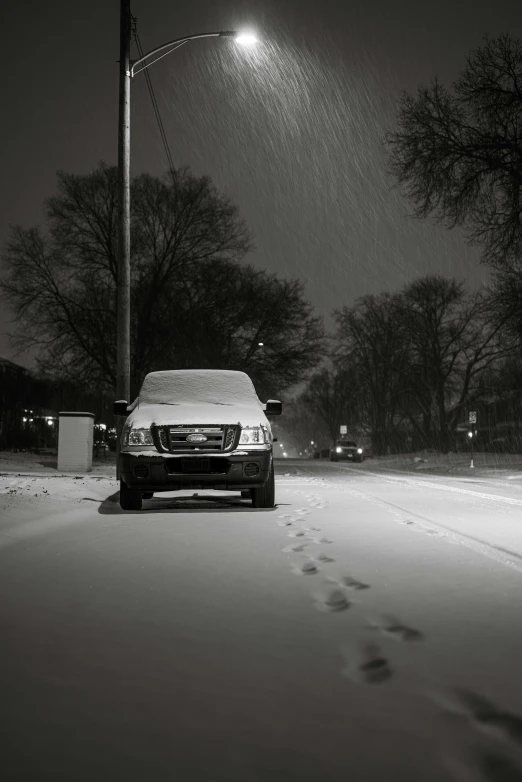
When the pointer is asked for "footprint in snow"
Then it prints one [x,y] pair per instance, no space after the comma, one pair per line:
[497,768]
[373,669]
[351,583]
[390,626]
[434,532]
[284,523]
[295,549]
[489,717]
[333,600]
[324,558]
[308,568]
[320,541]
[298,533]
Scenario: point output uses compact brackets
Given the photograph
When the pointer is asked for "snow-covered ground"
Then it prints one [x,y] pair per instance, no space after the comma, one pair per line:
[368,628]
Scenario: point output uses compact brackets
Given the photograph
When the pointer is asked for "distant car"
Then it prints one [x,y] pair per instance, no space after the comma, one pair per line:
[346,450]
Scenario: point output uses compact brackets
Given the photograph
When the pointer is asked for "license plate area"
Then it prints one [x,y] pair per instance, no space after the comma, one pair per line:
[195,466]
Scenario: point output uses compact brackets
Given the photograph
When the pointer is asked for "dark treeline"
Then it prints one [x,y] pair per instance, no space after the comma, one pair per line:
[406,368]
[29,399]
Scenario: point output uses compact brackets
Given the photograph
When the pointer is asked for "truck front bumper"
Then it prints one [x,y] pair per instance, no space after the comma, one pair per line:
[241,469]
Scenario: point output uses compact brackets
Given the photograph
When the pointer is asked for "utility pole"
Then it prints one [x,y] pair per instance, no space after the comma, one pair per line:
[123,271]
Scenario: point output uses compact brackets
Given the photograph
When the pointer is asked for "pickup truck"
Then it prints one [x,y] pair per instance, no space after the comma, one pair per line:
[196,429]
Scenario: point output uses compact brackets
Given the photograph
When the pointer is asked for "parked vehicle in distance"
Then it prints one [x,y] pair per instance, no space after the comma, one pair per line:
[196,429]
[347,450]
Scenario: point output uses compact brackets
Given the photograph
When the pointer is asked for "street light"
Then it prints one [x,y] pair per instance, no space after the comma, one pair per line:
[129,69]
[246,39]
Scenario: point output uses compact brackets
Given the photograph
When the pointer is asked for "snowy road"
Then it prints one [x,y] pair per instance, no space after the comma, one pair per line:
[368,628]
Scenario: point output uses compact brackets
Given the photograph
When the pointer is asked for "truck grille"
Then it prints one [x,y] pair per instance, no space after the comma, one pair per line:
[177,439]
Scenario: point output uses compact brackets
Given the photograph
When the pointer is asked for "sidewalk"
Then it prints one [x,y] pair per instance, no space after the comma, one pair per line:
[487,466]
[45,465]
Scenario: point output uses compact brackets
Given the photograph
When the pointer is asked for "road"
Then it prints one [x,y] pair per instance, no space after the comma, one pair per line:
[368,628]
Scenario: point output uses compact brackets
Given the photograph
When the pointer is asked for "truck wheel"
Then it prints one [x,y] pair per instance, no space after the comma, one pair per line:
[147,495]
[334,458]
[130,499]
[245,494]
[264,496]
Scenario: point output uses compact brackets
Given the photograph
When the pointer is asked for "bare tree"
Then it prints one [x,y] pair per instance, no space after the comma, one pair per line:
[458,152]
[373,345]
[336,398]
[452,343]
[193,302]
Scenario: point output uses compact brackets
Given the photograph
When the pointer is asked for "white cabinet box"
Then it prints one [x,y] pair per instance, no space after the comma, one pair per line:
[75,432]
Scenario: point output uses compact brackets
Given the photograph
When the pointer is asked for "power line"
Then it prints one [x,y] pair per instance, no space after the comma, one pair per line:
[153,99]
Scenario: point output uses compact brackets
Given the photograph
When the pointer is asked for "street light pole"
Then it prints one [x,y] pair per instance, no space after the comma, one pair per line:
[123,267]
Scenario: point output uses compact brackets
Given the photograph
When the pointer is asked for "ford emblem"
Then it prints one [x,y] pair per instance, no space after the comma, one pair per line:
[196,438]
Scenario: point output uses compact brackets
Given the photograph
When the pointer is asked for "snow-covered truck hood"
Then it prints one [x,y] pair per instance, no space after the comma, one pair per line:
[197,396]
[198,413]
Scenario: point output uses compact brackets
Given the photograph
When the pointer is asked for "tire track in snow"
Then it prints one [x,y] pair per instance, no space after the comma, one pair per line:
[498,553]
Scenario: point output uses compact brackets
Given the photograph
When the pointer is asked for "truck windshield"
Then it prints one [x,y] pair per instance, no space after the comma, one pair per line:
[198,386]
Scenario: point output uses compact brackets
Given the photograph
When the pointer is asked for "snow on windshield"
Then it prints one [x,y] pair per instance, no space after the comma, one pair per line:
[198,386]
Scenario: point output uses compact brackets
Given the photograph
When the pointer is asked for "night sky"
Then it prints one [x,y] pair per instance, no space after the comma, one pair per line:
[292,131]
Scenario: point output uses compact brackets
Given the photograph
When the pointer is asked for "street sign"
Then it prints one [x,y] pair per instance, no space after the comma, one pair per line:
[344,429]
[473,417]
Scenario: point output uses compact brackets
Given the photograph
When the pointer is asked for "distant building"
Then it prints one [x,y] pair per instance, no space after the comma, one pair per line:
[24,420]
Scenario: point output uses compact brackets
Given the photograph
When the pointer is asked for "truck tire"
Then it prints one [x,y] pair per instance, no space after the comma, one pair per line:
[130,499]
[334,458]
[245,494]
[147,495]
[264,496]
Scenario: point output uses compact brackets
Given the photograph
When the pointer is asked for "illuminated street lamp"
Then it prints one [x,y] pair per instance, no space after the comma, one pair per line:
[246,39]
[129,69]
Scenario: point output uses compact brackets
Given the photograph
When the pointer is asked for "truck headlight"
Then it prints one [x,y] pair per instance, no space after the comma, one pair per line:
[138,437]
[252,435]
[359,450]
[339,449]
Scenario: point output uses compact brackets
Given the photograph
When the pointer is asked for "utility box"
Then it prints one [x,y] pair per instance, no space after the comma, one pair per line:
[75,434]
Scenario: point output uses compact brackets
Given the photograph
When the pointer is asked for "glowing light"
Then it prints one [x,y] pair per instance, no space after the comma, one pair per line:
[246,39]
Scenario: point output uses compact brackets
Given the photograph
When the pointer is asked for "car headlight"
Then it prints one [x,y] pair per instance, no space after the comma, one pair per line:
[339,449]
[359,450]
[253,435]
[139,437]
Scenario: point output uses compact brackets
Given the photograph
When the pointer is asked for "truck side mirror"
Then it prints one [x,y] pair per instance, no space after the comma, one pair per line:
[120,408]
[273,407]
